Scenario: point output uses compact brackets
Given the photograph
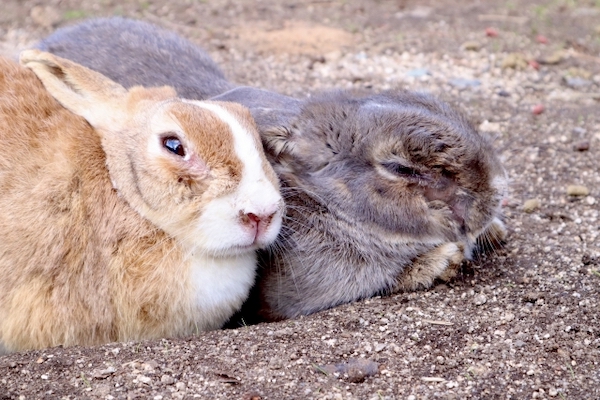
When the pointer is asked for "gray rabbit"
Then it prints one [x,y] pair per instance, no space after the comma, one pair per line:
[384,192]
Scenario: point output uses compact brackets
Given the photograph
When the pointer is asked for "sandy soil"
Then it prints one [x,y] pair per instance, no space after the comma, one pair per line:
[522,322]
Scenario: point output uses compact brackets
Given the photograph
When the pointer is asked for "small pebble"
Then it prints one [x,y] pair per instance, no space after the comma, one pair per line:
[379,347]
[463,83]
[103,373]
[491,32]
[577,190]
[480,299]
[541,39]
[534,64]
[531,205]
[577,82]
[418,72]
[583,145]
[537,109]
[488,126]
[576,72]
[508,317]
[554,58]
[471,46]
[355,370]
[514,61]
[531,297]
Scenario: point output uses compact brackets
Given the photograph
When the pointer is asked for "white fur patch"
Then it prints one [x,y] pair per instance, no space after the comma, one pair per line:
[220,286]
[255,194]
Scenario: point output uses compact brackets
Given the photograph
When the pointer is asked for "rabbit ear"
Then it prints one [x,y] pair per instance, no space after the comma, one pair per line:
[274,115]
[84,92]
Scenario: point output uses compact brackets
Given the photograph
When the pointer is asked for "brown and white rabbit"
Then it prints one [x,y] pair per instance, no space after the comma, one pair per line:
[127,214]
[384,192]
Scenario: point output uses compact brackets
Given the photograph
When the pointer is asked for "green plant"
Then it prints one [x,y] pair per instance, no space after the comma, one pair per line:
[86,382]
[74,14]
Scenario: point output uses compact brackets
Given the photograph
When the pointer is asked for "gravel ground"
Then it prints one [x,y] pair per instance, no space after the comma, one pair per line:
[521,323]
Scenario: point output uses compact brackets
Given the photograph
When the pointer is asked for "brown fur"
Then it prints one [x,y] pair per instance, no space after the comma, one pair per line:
[53,275]
[212,132]
[83,262]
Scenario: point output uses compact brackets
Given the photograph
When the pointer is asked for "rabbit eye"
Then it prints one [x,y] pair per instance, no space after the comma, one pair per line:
[401,170]
[173,144]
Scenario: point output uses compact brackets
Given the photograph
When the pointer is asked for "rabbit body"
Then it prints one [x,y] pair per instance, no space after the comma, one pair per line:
[105,234]
[383,192]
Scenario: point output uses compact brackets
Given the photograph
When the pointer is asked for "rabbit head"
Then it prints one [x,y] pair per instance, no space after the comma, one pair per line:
[174,160]
[402,163]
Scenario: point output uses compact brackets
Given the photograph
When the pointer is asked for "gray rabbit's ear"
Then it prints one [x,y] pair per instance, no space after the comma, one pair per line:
[274,115]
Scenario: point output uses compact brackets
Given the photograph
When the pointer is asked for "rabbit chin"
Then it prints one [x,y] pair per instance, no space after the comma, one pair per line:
[236,241]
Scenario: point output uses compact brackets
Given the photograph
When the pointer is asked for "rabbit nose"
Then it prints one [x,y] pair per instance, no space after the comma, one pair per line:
[249,219]
[256,222]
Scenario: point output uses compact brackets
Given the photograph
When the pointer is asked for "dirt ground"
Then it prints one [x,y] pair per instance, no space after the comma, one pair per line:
[520,323]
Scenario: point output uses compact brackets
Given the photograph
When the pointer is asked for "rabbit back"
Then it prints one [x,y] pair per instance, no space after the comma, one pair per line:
[134,52]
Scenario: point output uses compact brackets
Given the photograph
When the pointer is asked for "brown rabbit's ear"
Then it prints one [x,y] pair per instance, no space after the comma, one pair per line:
[84,92]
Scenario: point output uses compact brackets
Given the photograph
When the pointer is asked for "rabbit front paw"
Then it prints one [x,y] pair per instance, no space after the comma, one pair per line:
[440,263]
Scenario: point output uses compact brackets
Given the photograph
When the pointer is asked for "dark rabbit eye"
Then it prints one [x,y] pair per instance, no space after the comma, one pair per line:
[173,144]
[401,170]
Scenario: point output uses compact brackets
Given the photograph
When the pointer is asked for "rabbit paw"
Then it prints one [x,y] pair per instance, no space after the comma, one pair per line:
[440,263]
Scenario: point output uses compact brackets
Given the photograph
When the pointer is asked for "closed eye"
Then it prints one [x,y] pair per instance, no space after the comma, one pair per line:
[401,170]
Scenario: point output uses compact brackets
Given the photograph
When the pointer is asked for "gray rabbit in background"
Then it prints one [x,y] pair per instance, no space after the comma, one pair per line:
[384,192]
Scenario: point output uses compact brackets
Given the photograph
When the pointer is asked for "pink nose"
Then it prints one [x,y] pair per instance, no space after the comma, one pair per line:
[256,222]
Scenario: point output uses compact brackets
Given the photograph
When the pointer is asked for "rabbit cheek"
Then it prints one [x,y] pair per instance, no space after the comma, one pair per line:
[193,179]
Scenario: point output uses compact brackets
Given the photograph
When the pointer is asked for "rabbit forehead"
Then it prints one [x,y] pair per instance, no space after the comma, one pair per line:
[202,132]
[244,135]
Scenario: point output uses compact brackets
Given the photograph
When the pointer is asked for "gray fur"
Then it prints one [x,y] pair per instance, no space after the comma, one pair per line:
[375,185]
[137,53]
